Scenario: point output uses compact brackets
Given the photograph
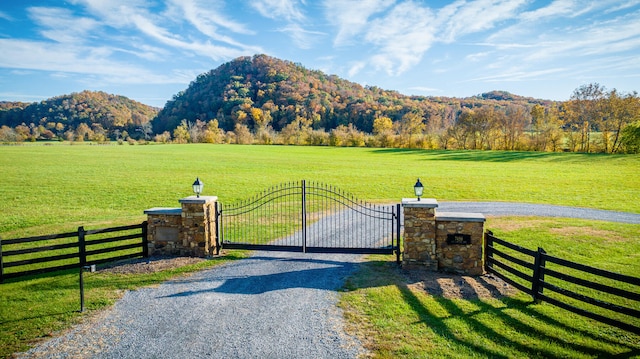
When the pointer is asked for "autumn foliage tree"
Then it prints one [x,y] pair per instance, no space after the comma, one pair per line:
[264,100]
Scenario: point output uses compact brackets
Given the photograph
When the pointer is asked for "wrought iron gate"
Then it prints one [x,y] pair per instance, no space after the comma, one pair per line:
[309,217]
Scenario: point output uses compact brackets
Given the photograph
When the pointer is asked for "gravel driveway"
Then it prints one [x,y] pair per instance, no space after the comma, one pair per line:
[542,210]
[271,305]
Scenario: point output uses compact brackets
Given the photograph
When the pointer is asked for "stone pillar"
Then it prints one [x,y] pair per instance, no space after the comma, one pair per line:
[186,231]
[450,241]
[420,232]
[198,232]
[459,242]
[163,230]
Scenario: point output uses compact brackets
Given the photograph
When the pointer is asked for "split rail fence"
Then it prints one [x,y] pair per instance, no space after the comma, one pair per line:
[595,293]
[55,252]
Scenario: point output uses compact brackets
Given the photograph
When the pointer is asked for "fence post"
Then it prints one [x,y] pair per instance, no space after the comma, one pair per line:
[538,275]
[217,234]
[145,239]
[82,254]
[1,264]
[304,217]
[398,224]
[488,246]
[82,246]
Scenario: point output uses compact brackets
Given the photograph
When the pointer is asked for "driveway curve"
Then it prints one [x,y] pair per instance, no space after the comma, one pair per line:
[541,210]
[271,305]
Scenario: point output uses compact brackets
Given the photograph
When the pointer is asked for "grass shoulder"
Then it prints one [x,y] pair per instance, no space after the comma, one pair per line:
[400,314]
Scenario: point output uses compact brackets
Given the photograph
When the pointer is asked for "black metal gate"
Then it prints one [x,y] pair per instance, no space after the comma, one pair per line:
[309,217]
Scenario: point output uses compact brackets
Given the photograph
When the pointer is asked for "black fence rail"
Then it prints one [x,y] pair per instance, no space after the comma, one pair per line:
[44,254]
[594,293]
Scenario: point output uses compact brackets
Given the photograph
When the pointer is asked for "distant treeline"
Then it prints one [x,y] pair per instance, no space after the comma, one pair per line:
[84,116]
[265,100]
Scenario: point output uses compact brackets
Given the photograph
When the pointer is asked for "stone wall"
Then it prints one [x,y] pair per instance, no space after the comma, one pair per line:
[420,233]
[439,240]
[199,225]
[163,231]
[186,231]
[453,254]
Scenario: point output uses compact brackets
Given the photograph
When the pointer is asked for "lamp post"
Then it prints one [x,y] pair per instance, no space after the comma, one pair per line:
[418,188]
[197,187]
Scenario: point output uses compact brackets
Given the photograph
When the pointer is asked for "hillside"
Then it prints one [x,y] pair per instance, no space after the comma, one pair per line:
[258,92]
[263,91]
[111,112]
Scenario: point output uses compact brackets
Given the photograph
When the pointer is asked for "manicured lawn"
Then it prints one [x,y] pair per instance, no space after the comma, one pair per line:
[398,320]
[53,189]
[46,189]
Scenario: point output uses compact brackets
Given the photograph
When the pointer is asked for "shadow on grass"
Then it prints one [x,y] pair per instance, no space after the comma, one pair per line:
[492,156]
[500,325]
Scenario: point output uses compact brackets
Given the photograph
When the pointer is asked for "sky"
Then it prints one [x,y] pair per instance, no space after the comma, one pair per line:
[149,50]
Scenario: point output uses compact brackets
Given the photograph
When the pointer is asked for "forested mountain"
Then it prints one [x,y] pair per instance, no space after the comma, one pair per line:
[262,91]
[95,111]
[264,100]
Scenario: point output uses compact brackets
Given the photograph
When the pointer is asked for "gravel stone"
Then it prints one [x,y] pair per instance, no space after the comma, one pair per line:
[271,305]
[541,210]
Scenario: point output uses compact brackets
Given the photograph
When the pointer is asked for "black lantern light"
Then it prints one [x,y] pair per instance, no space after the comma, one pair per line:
[418,188]
[197,187]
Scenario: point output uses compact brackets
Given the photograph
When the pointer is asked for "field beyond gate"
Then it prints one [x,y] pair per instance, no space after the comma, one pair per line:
[309,217]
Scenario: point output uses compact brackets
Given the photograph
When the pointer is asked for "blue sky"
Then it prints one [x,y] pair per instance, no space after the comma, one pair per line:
[149,50]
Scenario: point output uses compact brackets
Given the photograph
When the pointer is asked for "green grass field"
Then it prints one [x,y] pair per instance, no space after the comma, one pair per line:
[395,319]
[52,189]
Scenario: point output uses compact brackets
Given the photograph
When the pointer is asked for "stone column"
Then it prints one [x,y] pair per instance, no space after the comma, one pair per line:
[163,231]
[420,232]
[459,242]
[198,231]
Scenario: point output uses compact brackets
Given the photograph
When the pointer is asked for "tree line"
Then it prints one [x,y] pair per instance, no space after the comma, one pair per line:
[264,100]
[84,116]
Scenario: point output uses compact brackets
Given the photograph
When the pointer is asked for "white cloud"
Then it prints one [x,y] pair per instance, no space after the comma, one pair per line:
[616,6]
[463,18]
[402,37]
[478,56]
[206,20]
[168,38]
[117,13]
[302,38]
[595,39]
[63,58]
[4,15]
[288,10]
[351,17]
[556,9]
[125,15]
[356,68]
[16,96]
[425,89]
[143,51]
[512,75]
[402,32]
[61,25]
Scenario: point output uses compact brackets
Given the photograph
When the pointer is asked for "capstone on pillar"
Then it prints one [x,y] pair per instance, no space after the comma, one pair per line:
[186,231]
[449,241]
